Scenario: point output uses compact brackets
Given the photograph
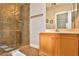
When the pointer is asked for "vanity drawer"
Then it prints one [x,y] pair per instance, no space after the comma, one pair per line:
[70,36]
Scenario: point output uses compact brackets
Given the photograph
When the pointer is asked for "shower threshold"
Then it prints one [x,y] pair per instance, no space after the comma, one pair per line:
[6,48]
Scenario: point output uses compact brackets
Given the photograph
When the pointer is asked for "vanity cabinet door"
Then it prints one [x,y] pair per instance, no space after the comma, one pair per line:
[43,44]
[69,45]
[54,45]
[49,44]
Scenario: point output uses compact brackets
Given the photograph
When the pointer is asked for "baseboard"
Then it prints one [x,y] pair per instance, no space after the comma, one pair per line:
[34,46]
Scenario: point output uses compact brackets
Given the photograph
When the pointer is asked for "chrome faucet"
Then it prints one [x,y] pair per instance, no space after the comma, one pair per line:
[56,30]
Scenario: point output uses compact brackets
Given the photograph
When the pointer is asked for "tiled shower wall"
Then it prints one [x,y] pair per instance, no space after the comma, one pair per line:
[14,24]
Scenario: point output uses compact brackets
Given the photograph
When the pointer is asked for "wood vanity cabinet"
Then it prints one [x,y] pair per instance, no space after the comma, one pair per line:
[56,44]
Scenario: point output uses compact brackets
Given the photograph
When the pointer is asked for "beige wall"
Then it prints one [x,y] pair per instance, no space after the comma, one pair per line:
[51,11]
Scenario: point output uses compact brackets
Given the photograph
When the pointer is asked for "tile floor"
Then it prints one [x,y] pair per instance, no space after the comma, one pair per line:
[27,50]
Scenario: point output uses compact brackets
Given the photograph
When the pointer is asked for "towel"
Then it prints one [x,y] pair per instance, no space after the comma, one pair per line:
[17,53]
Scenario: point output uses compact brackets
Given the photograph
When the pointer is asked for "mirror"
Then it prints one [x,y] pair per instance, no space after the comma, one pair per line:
[62,15]
[62,20]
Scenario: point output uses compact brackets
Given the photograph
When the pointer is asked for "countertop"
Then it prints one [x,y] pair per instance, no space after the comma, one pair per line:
[63,31]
